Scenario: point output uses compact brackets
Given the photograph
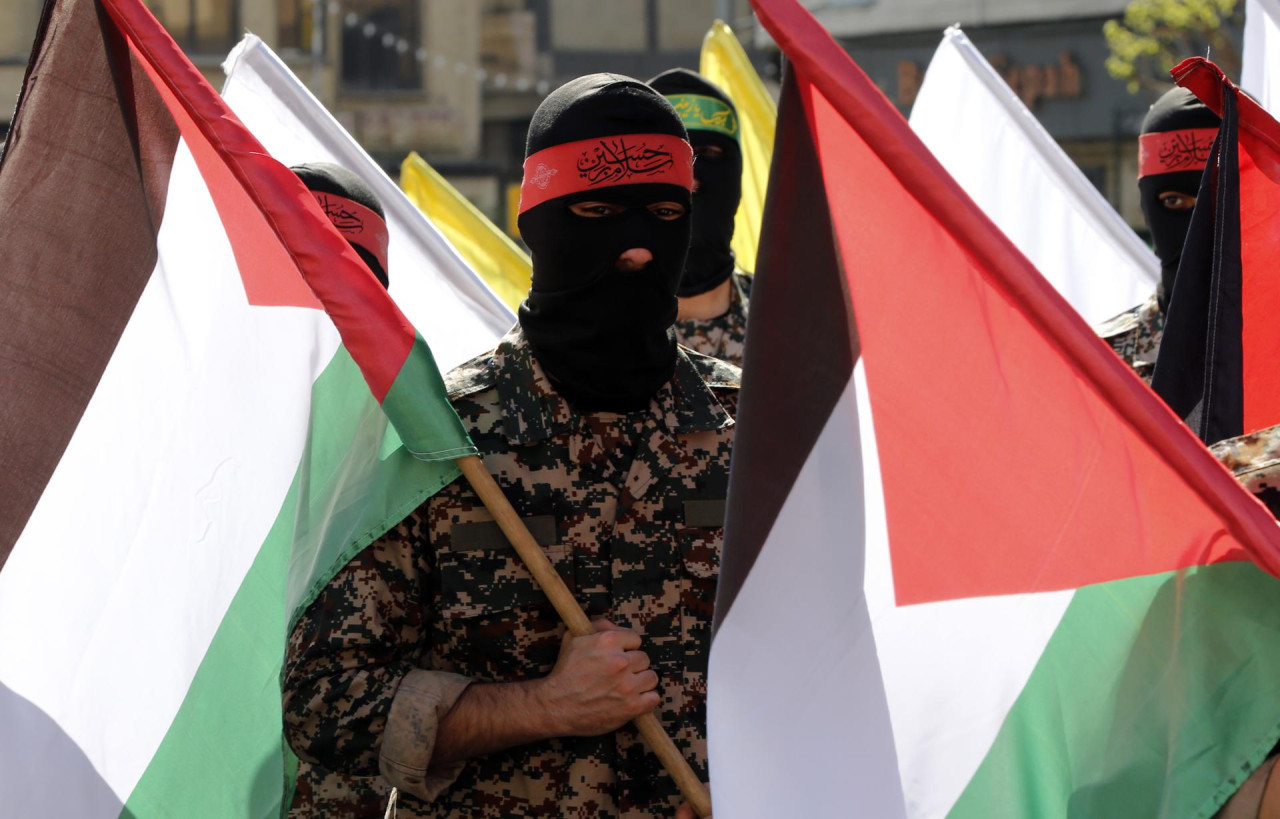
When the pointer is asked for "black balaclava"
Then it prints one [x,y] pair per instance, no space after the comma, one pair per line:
[604,336]
[1177,134]
[353,208]
[711,119]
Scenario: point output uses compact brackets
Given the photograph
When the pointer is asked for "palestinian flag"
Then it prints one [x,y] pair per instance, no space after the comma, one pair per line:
[188,440]
[972,566]
[1217,363]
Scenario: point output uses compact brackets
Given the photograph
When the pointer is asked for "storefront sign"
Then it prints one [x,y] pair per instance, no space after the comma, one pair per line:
[1032,83]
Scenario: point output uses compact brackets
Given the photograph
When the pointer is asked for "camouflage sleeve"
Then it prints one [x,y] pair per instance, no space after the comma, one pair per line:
[1255,461]
[352,687]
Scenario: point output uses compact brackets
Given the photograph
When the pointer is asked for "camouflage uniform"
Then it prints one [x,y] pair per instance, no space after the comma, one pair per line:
[1255,461]
[319,791]
[722,337]
[630,508]
[1135,336]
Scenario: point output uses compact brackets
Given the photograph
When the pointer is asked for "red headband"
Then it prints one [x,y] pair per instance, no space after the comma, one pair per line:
[359,225]
[603,162]
[1173,151]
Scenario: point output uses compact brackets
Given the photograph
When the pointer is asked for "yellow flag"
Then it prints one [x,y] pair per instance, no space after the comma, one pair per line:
[490,252]
[725,64]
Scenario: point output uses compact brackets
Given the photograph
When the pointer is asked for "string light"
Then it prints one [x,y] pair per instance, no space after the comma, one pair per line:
[390,40]
[496,81]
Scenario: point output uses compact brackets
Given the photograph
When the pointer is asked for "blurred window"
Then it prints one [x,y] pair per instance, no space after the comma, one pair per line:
[18,23]
[294,19]
[379,41]
[683,23]
[200,26]
[590,25]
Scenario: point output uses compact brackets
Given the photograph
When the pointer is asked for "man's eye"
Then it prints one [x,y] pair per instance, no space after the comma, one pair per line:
[1177,201]
[593,210]
[667,213]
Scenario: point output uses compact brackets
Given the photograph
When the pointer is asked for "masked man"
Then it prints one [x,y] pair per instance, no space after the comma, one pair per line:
[354,210]
[433,658]
[1177,134]
[713,293]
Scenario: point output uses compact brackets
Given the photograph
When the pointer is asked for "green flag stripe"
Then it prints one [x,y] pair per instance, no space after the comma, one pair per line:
[223,754]
[419,408]
[1156,696]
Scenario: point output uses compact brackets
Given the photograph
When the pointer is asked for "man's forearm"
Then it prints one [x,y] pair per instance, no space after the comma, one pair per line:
[491,717]
[599,682]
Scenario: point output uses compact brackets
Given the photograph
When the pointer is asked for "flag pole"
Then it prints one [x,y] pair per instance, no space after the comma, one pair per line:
[575,618]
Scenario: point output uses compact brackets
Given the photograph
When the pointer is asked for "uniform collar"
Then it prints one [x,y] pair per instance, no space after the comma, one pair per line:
[734,316]
[740,289]
[533,410]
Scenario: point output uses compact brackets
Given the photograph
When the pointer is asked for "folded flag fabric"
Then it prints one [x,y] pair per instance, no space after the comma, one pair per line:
[972,566]
[500,262]
[996,149]
[173,387]
[724,63]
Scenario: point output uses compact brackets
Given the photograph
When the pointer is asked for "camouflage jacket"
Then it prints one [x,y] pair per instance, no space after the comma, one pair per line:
[1135,336]
[630,509]
[722,337]
[1255,461]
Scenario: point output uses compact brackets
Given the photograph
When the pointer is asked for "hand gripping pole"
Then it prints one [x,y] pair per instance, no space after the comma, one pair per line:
[576,619]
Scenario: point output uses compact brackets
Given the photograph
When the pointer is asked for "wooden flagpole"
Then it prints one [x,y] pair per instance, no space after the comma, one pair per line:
[575,618]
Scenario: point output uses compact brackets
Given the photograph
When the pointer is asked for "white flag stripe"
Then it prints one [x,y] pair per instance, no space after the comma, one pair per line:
[796,706]
[158,507]
[294,127]
[1004,159]
[967,659]
[1260,69]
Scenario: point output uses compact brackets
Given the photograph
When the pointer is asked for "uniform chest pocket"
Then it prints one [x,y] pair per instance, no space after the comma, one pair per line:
[481,574]
[701,538]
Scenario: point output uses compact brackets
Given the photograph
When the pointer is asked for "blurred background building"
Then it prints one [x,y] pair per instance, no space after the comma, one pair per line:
[457,80]
[1052,54]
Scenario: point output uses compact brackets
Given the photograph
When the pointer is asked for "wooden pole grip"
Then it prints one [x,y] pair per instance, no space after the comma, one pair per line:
[546,576]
